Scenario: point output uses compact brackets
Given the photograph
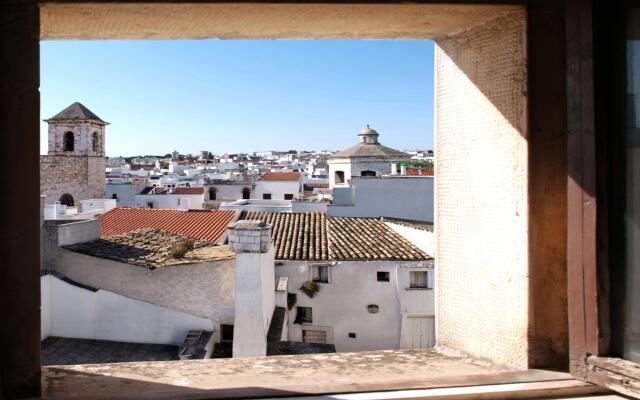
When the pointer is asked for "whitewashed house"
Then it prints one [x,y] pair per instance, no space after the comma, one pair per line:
[279,186]
[367,158]
[375,287]
[184,198]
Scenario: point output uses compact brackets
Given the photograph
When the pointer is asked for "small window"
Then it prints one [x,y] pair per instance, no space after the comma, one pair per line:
[288,196]
[304,315]
[266,196]
[67,200]
[226,333]
[320,273]
[114,196]
[383,276]
[373,308]
[68,141]
[352,335]
[339,176]
[213,193]
[95,142]
[150,204]
[368,173]
[246,193]
[419,280]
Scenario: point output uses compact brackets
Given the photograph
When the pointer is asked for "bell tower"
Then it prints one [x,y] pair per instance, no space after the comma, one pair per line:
[76,131]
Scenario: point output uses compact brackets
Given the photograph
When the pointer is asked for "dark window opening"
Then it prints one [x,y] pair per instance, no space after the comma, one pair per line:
[67,200]
[352,335]
[266,196]
[68,142]
[320,273]
[339,176]
[226,333]
[246,193]
[383,276]
[303,315]
[95,142]
[213,193]
[288,196]
[368,173]
[114,196]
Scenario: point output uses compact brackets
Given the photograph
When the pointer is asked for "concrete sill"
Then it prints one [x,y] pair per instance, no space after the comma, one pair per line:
[418,288]
[286,376]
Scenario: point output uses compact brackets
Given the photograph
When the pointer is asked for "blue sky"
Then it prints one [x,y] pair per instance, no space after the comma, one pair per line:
[241,96]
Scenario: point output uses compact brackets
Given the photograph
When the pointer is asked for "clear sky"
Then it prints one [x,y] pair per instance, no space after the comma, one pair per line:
[241,96]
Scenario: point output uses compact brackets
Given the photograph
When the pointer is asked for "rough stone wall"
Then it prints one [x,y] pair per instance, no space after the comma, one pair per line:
[80,176]
[481,192]
[82,137]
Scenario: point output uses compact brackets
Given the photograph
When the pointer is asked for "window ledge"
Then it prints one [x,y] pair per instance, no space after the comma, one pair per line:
[275,376]
[418,288]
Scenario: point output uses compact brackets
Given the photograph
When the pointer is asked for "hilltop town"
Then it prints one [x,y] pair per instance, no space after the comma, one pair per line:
[273,252]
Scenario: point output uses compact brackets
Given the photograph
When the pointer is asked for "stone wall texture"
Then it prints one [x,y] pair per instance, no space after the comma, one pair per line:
[481,191]
[80,176]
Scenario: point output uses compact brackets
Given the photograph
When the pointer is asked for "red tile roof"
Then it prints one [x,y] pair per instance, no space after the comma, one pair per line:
[199,224]
[188,190]
[419,172]
[280,176]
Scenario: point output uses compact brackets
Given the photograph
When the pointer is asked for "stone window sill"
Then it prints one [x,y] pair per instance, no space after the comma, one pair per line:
[418,288]
[277,376]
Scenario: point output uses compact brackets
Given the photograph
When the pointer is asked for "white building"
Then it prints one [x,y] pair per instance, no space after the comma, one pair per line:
[375,287]
[367,158]
[407,197]
[189,198]
[279,186]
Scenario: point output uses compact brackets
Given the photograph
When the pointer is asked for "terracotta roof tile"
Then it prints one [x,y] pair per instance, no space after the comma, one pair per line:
[280,176]
[188,190]
[198,224]
[316,237]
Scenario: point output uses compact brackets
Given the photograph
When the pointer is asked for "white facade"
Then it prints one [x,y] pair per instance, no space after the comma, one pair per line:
[277,189]
[340,308]
[392,196]
[352,168]
[204,290]
[75,312]
[174,201]
[124,193]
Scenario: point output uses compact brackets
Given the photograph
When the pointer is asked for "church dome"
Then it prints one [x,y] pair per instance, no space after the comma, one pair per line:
[368,131]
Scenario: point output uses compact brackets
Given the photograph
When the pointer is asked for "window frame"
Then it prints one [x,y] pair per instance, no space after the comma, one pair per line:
[320,268]
[595,108]
[387,275]
[428,279]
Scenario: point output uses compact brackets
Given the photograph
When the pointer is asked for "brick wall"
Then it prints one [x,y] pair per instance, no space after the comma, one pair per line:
[80,176]
[481,192]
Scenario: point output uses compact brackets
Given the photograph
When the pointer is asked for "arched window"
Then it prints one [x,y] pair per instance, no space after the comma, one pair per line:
[339,177]
[246,193]
[368,173]
[68,142]
[67,200]
[213,192]
[95,142]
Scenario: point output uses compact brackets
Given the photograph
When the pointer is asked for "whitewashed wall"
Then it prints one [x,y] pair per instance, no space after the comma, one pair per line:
[196,201]
[405,197]
[420,238]
[277,189]
[204,290]
[74,312]
[340,307]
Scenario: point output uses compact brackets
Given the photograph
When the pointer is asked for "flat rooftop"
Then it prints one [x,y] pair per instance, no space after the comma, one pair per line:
[67,351]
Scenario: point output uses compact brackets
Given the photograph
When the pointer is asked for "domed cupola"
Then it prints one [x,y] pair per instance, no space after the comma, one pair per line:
[368,136]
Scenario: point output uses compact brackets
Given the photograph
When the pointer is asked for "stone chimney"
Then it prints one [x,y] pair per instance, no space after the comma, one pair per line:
[255,286]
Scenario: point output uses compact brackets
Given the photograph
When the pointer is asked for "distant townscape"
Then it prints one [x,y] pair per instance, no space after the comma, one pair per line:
[183,256]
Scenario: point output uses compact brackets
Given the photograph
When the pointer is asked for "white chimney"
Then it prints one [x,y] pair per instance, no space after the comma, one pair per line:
[183,204]
[403,170]
[394,168]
